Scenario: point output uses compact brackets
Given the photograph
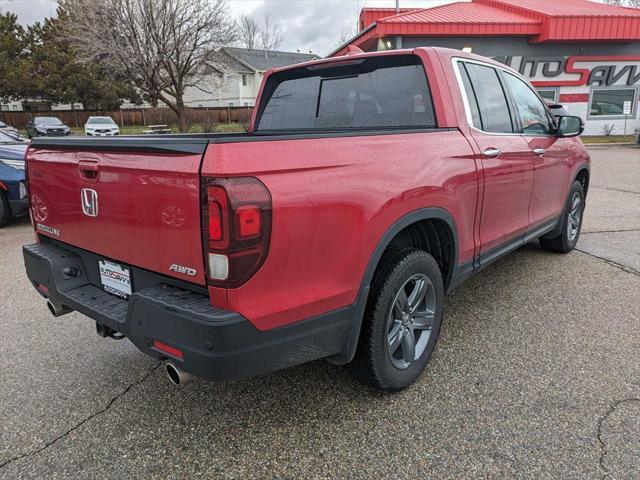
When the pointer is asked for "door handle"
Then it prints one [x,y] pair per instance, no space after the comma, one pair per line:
[492,152]
[538,152]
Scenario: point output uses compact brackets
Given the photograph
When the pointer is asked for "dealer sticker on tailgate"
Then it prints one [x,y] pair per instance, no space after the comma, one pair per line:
[115,278]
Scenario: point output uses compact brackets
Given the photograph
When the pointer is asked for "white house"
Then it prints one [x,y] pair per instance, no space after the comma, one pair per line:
[238,86]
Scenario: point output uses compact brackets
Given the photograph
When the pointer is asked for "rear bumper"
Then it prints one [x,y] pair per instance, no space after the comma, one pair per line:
[215,344]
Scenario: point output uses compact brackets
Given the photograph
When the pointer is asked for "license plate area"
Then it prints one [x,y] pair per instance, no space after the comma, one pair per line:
[115,278]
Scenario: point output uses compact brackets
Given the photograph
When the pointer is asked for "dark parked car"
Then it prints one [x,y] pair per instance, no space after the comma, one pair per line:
[13,192]
[8,129]
[47,127]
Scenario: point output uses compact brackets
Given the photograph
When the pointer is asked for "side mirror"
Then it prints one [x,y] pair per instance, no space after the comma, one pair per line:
[569,126]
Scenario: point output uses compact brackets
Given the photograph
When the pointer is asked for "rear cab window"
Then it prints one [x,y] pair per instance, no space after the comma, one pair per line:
[386,92]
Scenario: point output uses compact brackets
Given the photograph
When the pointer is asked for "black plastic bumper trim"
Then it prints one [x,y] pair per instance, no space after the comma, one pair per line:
[216,344]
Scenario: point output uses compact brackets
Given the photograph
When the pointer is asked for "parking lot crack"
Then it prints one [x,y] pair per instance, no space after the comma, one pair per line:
[615,189]
[83,421]
[612,231]
[624,268]
[601,422]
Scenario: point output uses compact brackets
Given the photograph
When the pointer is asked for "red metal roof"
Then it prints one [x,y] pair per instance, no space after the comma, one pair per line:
[567,7]
[460,18]
[576,20]
[541,20]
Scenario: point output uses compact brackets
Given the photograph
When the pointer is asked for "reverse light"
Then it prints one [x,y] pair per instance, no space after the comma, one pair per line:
[236,225]
[218,266]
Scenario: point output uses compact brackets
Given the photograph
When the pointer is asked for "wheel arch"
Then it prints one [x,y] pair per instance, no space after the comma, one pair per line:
[411,219]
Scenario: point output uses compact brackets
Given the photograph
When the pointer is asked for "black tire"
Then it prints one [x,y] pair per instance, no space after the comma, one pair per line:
[568,238]
[373,364]
[5,211]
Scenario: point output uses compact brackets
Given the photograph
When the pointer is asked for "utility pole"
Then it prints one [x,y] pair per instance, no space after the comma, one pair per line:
[397,6]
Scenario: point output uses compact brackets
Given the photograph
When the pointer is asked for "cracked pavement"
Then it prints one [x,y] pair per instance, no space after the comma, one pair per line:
[536,375]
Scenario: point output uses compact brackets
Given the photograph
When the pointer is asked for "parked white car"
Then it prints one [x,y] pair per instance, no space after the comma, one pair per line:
[101,127]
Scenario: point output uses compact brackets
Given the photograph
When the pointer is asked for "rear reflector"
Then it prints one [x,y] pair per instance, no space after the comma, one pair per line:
[169,350]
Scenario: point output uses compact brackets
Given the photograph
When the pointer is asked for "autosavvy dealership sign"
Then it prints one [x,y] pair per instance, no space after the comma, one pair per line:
[577,70]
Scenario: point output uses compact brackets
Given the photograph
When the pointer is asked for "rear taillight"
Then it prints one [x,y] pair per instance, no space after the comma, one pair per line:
[236,222]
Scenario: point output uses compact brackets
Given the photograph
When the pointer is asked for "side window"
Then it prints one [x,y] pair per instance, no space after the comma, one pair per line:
[533,115]
[491,99]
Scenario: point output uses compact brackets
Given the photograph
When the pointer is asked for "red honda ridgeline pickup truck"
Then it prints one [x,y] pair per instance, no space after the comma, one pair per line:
[367,186]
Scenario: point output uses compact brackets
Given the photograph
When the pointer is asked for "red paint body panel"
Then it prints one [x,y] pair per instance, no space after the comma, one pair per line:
[149,206]
[333,199]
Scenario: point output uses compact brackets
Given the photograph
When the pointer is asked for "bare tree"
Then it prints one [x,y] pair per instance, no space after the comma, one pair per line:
[270,34]
[248,32]
[624,3]
[163,46]
[351,26]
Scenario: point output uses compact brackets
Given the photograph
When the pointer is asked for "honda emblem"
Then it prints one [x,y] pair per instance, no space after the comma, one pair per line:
[89,200]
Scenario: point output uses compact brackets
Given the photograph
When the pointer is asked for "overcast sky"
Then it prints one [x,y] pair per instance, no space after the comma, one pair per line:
[307,24]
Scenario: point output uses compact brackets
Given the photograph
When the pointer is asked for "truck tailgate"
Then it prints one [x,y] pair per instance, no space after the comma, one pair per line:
[131,205]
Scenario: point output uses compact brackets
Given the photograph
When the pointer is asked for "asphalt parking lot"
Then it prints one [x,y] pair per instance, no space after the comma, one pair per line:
[536,375]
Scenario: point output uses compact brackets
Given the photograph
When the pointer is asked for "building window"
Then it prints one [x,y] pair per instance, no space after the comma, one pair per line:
[231,104]
[246,80]
[609,102]
[549,95]
[246,104]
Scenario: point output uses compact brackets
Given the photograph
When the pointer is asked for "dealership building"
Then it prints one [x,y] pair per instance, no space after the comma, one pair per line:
[582,54]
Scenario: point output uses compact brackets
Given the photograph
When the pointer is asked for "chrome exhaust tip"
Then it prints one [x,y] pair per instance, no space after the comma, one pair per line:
[57,309]
[176,375]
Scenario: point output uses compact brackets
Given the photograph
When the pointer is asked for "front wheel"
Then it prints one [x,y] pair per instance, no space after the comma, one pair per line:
[402,320]
[571,222]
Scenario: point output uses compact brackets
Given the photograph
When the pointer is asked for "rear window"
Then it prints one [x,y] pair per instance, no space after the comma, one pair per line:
[382,92]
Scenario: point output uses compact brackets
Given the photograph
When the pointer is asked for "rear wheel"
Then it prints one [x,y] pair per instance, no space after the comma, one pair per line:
[402,320]
[571,223]
[5,211]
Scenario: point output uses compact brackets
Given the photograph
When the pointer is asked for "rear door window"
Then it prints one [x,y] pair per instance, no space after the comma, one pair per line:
[484,93]
[380,92]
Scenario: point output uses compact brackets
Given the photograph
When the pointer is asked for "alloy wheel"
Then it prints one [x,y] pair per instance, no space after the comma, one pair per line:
[410,321]
[574,217]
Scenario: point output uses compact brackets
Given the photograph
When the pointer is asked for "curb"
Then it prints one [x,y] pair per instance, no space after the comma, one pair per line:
[616,145]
